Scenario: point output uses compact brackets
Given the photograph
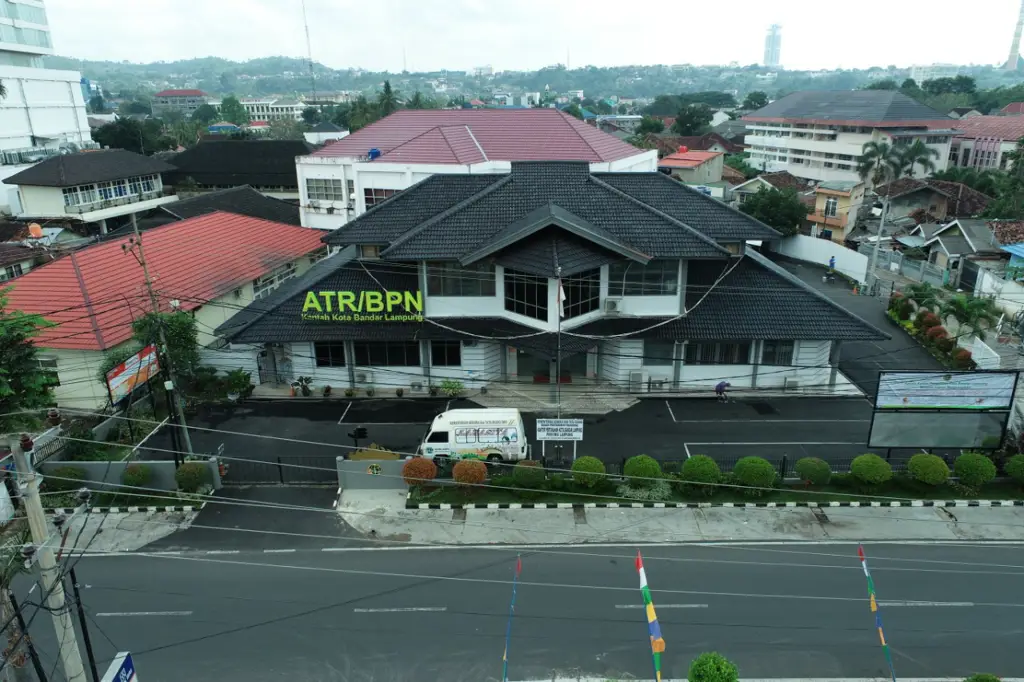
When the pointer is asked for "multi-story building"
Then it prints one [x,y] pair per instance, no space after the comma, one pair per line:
[820,135]
[836,206]
[929,72]
[985,141]
[182,101]
[773,47]
[272,108]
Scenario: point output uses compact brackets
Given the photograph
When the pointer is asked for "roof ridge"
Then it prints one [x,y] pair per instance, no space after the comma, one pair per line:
[412,139]
[476,142]
[569,121]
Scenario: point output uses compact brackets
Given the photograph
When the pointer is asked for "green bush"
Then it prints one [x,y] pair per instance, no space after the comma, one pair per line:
[136,475]
[528,474]
[928,469]
[655,491]
[557,482]
[699,475]
[191,476]
[712,667]
[974,469]
[983,677]
[64,479]
[1015,468]
[469,472]
[813,471]
[641,470]
[755,472]
[871,470]
[588,471]
[502,481]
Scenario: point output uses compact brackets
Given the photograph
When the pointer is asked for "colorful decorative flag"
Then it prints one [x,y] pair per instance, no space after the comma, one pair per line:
[653,629]
[874,609]
[511,612]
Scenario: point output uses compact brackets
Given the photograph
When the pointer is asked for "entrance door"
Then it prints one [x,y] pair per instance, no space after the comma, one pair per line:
[531,367]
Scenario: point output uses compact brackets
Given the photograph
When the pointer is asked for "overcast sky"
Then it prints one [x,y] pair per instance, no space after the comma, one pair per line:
[528,34]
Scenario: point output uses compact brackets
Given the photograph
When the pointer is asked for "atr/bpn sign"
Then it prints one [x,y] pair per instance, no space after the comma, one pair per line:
[560,429]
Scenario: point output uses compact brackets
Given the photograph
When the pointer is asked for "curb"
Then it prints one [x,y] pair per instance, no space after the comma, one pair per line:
[128,510]
[704,505]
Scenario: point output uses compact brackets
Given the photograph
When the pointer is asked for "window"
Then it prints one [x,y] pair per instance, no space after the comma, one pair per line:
[388,354]
[262,286]
[369,251]
[329,353]
[658,353]
[29,13]
[777,353]
[717,353]
[445,353]
[657,278]
[105,190]
[11,271]
[48,365]
[526,294]
[350,188]
[438,437]
[831,206]
[452,279]
[373,197]
[582,293]
[135,186]
[324,189]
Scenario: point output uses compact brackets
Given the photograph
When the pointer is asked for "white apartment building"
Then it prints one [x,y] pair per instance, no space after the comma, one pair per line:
[928,72]
[270,108]
[820,135]
[773,47]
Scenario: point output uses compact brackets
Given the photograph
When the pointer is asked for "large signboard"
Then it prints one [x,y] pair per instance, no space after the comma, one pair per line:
[945,390]
[559,429]
[122,669]
[135,371]
[363,306]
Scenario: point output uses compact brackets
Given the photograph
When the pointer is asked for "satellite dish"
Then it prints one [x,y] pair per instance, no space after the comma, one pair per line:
[35,231]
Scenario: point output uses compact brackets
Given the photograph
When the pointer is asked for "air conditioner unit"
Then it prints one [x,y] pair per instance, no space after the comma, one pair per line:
[612,305]
[636,382]
[364,377]
[790,383]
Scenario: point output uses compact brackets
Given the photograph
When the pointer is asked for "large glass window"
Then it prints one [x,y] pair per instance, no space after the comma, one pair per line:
[329,353]
[29,13]
[777,353]
[657,278]
[445,353]
[452,279]
[658,353]
[324,189]
[375,196]
[582,293]
[526,294]
[717,353]
[388,354]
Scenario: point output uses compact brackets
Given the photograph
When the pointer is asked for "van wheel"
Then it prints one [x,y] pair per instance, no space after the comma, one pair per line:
[442,464]
[494,461]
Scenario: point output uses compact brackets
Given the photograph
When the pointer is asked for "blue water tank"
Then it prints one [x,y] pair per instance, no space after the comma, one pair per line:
[373,153]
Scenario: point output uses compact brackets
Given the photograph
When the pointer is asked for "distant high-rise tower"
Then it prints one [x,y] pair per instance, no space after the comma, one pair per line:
[1014,58]
[773,46]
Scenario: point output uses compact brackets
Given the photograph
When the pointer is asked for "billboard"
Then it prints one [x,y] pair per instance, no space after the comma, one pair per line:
[133,372]
[945,390]
[122,669]
[363,306]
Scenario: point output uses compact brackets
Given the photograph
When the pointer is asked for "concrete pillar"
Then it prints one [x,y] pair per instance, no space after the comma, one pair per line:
[833,360]
[755,349]
[350,362]
[103,226]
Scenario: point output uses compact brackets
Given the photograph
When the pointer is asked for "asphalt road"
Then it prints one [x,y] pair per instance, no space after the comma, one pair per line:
[795,611]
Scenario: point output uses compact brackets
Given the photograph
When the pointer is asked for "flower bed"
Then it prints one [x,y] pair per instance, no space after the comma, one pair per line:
[925,327]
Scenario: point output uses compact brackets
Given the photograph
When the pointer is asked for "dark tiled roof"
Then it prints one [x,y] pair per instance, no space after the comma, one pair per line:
[82,168]
[261,163]
[544,252]
[883,107]
[242,200]
[670,144]
[12,231]
[17,253]
[326,127]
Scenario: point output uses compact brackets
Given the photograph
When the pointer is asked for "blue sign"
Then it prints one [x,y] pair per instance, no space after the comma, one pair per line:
[122,669]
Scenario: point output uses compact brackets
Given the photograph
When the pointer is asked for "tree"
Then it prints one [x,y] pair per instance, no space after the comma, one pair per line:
[311,115]
[886,84]
[649,125]
[205,114]
[917,154]
[23,385]
[755,100]
[909,84]
[182,337]
[879,163]
[712,667]
[97,105]
[622,110]
[1009,201]
[387,100]
[574,111]
[362,113]
[232,111]
[971,313]
[284,129]
[184,133]
[134,107]
[780,209]
[140,137]
[418,101]
[925,295]
[739,162]
[987,181]
[692,119]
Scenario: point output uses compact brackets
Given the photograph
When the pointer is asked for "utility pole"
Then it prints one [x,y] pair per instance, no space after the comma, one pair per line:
[178,410]
[84,625]
[872,275]
[50,574]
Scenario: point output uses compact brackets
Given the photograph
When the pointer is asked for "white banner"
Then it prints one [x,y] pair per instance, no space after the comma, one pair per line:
[945,390]
[559,429]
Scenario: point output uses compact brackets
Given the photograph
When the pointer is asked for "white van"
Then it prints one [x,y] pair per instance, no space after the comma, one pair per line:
[492,434]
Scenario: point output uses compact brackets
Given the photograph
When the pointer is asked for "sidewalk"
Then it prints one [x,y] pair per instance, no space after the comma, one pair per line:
[382,514]
[98,533]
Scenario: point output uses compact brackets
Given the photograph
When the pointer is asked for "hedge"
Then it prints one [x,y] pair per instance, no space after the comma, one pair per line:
[528,474]
[588,471]
[928,469]
[191,476]
[813,471]
[136,475]
[469,472]
[870,470]
[974,470]
[756,472]
[418,470]
[1015,468]
[641,470]
[702,473]
[65,479]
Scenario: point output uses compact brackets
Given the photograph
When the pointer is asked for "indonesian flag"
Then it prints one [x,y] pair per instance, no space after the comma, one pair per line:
[561,299]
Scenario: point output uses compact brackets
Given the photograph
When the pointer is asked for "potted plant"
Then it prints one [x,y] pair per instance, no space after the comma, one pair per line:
[451,387]
[350,392]
[369,391]
[432,390]
[327,391]
[53,416]
[303,385]
[399,391]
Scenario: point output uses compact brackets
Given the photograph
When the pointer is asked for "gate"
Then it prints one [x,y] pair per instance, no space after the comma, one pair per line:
[968,275]
[283,470]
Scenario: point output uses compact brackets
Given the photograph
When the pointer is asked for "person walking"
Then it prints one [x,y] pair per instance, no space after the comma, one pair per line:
[832,265]
[720,391]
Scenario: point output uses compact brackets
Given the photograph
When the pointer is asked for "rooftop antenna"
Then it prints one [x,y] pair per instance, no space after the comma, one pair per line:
[309,55]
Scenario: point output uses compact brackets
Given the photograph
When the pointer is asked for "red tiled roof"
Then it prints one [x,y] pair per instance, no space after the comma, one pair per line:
[1008,231]
[501,134]
[1006,128]
[180,93]
[733,176]
[1013,108]
[688,159]
[671,143]
[92,295]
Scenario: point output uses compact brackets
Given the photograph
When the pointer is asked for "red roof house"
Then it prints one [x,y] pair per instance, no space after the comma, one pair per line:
[1013,109]
[181,93]
[687,159]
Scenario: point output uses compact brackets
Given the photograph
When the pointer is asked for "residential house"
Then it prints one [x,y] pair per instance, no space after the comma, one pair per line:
[780,180]
[243,200]
[984,142]
[324,132]
[964,112]
[701,170]
[550,272]
[949,245]
[211,266]
[709,142]
[347,177]
[836,207]
[18,258]
[820,135]
[91,189]
[1012,109]
[184,102]
[732,177]
[265,165]
[939,199]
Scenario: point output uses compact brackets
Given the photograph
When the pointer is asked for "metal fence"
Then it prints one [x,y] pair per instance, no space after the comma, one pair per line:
[917,270]
[783,465]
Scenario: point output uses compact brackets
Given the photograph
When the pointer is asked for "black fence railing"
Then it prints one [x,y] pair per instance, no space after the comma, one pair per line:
[785,465]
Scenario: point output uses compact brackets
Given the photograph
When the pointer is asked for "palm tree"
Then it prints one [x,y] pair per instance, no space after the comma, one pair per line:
[917,154]
[387,100]
[880,163]
[924,295]
[416,101]
[971,313]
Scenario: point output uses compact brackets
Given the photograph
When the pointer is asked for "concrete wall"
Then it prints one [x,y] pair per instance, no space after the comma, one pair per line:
[106,476]
[42,201]
[354,475]
[41,103]
[77,370]
[813,250]
[1009,295]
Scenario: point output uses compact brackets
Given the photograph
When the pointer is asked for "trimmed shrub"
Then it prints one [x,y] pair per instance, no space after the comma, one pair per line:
[469,472]
[1015,468]
[945,344]
[528,474]
[904,310]
[984,677]
[641,470]
[64,479]
[974,469]
[418,470]
[756,472]
[136,475]
[926,319]
[896,299]
[813,471]
[962,359]
[935,333]
[712,667]
[870,470]
[588,471]
[502,481]
[557,482]
[699,475]
[928,469]
[191,476]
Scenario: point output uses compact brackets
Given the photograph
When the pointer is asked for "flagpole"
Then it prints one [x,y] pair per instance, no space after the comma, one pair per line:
[511,612]
[874,609]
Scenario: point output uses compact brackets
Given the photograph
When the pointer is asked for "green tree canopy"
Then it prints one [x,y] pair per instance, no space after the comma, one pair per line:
[780,209]
[419,101]
[145,137]
[205,114]
[182,337]
[285,129]
[739,162]
[574,111]
[886,84]
[23,385]
[387,100]
[917,154]
[311,115]
[232,111]
[692,119]
[1009,189]
[648,125]
[134,107]
[755,100]
[97,104]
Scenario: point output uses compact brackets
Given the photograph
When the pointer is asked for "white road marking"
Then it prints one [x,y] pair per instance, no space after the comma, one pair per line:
[772,421]
[117,614]
[790,443]
[410,609]
[33,588]
[278,551]
[347,408]
[687,448]
[673,414]
[662,606]
[925,603]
